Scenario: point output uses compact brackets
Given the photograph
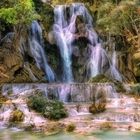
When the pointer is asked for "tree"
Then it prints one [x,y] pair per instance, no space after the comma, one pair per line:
[18,13]
[122,19]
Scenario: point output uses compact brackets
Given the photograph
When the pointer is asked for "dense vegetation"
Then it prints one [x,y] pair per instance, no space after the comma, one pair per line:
[51,109]
[16,14]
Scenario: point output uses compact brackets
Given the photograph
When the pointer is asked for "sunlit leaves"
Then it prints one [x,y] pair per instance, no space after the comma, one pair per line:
[118,18]
[8,15]
[18,12]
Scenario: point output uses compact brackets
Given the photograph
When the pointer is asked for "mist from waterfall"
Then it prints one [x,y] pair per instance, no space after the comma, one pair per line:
[38,52]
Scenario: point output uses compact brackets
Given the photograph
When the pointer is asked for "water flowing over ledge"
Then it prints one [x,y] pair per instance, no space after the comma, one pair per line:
[76,92]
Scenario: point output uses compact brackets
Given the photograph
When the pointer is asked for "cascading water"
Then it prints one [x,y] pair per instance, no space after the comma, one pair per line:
[71,23]
[36,48]
[75,92]
[63,38]
[66,29]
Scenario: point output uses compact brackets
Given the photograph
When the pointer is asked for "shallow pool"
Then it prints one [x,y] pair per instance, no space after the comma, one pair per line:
[10,134]
[117,135]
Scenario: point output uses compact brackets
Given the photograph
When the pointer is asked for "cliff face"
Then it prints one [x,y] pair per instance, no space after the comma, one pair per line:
[13,68]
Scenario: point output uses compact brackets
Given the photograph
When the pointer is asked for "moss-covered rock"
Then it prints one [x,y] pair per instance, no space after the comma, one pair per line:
[70,127]
[99,102]
[2,100]
[17,116]
[100,79]
[97,108]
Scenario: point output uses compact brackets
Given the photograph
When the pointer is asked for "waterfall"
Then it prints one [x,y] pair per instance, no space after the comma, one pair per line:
[37,51]
[63,38]
[72,22]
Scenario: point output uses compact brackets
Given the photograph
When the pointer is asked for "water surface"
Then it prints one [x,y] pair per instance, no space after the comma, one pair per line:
[10,134]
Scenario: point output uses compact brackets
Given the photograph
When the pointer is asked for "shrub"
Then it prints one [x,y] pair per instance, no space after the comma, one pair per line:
[70,127]
[55,110]
[37,102]
[17,116]
[51,109]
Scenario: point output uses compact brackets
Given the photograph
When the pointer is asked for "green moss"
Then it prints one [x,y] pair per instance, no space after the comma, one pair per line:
[16,116]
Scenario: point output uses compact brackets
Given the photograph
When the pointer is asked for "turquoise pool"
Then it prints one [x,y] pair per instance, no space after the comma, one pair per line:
[12,134]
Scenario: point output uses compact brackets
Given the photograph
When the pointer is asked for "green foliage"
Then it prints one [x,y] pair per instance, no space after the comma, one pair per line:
[51,109]
[121,19]
[47,15]
[55,110]
[17,12]
[17,116]
[70,127]
[8,15]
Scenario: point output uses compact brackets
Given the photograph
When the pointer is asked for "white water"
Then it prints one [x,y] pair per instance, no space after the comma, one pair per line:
[63,92]
[37,51]
[65,29]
